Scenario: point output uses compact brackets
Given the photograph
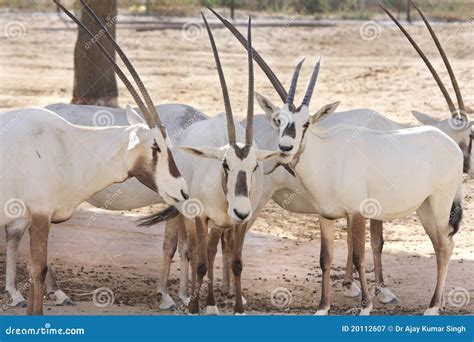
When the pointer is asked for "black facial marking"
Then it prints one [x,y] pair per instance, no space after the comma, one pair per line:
[241,188]
[174,171]
[290,130]
[243,152]
[155,147]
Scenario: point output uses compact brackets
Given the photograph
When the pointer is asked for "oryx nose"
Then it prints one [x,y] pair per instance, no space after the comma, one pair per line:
[185,195]
[240,215]
[285,148]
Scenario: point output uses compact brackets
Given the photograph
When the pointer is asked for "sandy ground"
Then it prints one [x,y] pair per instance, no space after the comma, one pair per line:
[384,74]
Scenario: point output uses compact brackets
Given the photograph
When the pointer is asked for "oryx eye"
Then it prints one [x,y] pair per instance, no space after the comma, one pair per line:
[306,125]
[155,147]
[225,165]
[255,168]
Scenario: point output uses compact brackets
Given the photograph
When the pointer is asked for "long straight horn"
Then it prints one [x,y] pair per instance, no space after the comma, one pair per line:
[225,93]
[149,102]
[294,83]
[312,83]
[117,69]
[280,89]
[250,109]
[457,90]
[441,86]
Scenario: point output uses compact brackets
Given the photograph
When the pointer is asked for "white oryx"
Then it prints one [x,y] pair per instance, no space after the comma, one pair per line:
[51,166]
[225,177]
[458,127]
[345,168]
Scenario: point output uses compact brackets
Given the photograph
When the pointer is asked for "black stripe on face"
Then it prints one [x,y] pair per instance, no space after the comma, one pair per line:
[241,188]
[243,152]
[174,171]
[290,130]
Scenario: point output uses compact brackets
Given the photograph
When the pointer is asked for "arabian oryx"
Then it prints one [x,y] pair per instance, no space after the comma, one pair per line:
[225,177]
[51,166]
[458,128]
[345,168]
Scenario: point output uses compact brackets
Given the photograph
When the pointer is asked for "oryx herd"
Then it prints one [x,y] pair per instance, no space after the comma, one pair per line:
[54,159]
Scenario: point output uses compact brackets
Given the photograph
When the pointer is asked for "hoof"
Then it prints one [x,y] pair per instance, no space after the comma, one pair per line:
[22,304]
[212,310]
[186,300]
[353,291]
[385,296]
[240,314]
[322,312]
[167,303]
[432,311]
[366,311]
[67,302]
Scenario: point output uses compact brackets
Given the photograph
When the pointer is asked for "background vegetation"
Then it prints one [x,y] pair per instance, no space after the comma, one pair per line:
[346,9]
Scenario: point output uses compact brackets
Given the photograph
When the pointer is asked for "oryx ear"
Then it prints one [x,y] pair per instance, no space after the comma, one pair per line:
[424,118]
[266,155]
[204,151]
[324,112]
[133,117]
[268,107]
[133,140]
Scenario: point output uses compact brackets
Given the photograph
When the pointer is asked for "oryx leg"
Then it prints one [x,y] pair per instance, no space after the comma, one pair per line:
[376,242]
[226,259]
[325,260]
[192,252]
[359,232]
[38,231]
[237,266]
[214,237]
[351,289]
[170,243]
[202,263]
[443,245]
[14,232]
[184,261]
[53,291]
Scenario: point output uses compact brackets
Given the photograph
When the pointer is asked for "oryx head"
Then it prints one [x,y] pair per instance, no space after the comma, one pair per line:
[239,161]
[147,155]
[457,126]
[293,122]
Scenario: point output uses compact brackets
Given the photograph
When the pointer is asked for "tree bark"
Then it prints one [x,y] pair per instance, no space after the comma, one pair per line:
[94,77]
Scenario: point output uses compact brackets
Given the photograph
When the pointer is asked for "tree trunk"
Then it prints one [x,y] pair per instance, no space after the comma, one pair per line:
[94,77]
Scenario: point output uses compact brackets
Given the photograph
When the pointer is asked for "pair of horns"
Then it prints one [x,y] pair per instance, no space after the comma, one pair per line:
[294,82]
[457,90]
[225,93]
[149,111]
[287,98]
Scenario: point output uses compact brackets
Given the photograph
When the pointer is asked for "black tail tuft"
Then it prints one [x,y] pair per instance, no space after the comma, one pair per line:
[455,217]
[164,215]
